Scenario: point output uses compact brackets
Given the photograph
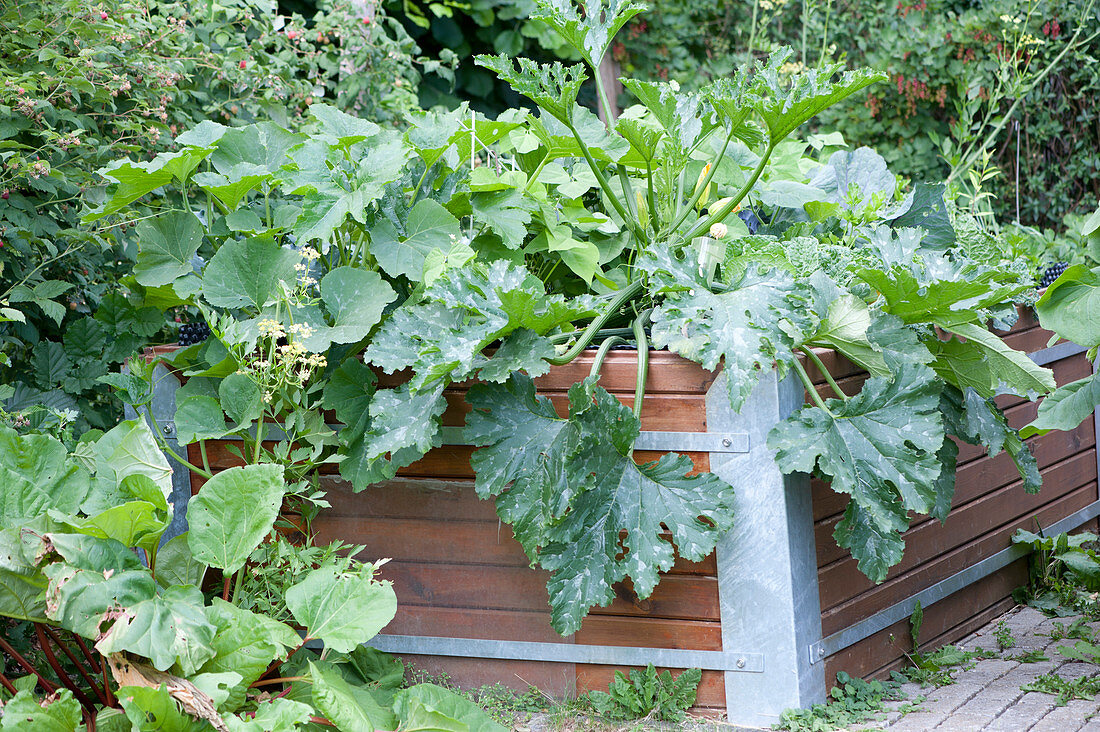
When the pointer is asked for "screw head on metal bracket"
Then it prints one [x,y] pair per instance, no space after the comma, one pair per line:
[726,442]
[821,653]
[740,663]
[168,429]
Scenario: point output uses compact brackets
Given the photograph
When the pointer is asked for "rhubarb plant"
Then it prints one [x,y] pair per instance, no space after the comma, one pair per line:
[494,249]
[81,552]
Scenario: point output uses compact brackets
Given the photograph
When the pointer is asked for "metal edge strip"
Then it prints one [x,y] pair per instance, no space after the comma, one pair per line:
[899,611]
[716,442]
[1056,353]
[568,653]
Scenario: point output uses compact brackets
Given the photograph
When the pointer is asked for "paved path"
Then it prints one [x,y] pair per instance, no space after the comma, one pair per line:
[988,698]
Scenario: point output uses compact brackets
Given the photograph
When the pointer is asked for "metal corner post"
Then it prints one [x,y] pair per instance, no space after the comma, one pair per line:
[163,410]
[767,564]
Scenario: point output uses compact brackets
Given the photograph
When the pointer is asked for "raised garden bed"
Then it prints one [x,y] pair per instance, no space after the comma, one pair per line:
[772,616]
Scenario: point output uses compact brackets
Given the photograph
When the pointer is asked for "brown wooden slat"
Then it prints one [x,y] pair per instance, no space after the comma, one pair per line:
[603,630]
[671,412]
[411,498]
[668,374]
[452,622]
[435,540]
[452,462]
[1061,477]
[888,645]
[854,597]
[519,588]
[711,693]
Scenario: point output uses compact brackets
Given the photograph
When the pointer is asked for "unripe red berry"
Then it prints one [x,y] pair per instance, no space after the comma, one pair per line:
[5,194]
[103,15]
[243,64]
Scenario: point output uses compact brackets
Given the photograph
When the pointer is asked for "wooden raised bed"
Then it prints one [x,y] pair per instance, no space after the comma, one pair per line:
[780,609]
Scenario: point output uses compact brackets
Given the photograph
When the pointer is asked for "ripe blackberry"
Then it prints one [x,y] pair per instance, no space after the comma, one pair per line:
[191,333]
[1052,273]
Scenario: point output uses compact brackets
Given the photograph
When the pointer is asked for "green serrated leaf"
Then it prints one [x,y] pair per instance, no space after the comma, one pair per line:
[745,328]
[880,447]
[784,105]
[552,87]
[591,30]
[166,244]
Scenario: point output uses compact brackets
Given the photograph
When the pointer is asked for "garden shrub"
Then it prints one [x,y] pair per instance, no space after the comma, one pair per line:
[80,84]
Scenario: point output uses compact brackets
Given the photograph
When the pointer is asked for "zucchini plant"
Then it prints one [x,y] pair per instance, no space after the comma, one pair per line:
[471,248]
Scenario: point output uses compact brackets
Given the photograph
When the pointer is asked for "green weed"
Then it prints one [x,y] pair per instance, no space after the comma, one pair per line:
[852,701]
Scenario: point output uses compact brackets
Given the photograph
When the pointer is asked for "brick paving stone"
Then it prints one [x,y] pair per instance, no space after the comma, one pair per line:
[964,723]
[918,722]
[1023,713]
[987,697]
[1069,718]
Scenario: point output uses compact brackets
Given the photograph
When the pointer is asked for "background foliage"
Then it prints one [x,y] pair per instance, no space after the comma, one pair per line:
[80,84]
[938,53]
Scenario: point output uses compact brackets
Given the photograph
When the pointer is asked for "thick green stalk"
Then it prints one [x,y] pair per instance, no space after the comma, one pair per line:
[825,372]
[643,360]
[698,192]
[651,200]
[809,386]
[723,212]
[603,333]
[625,295]
[609,120]
[605,185]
